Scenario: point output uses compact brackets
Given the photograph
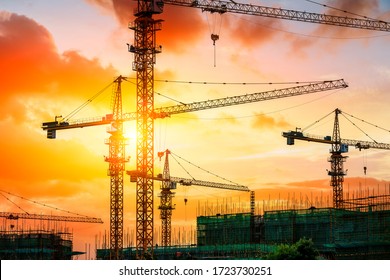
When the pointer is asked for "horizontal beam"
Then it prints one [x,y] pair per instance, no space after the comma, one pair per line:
[17,216]
[189,182]
[201,105]
[255,10]
[297,135]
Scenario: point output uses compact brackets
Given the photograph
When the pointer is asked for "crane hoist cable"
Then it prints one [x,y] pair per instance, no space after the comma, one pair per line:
[227,180]
[45,205]
[160,94]
[364,152]
[340,10]
[359,128]
[15,204]
[374,125]
[170,98]
[344,114]
[228,83]
[172,156]
[82,106]
[316,122]
[365,162]
[215,29]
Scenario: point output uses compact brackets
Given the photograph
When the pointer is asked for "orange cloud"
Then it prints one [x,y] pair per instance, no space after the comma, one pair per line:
[27,51]
[33,67]
[35,78]
[264,121]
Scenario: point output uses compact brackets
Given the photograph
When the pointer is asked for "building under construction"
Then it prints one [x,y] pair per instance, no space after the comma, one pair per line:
[29,236]
[36,245]
[359,230]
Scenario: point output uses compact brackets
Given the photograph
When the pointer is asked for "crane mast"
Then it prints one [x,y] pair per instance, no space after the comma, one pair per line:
[116,160]
[145,51]
[166,207]
[337,160]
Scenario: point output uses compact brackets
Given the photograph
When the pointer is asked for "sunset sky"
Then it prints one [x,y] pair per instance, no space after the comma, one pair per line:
[55,55]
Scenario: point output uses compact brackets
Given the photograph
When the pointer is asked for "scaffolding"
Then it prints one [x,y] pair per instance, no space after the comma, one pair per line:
[224,229]
[361,230]
[36,245]
[228,236]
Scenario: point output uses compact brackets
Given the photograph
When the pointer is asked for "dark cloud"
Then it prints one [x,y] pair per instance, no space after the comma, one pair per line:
[367,8]
[181,26]
[344,8]
[251,31]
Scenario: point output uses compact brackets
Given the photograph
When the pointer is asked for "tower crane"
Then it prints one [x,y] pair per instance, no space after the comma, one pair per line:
[145,49]
[169,183]
[116,160]
[337,159]
[117,142]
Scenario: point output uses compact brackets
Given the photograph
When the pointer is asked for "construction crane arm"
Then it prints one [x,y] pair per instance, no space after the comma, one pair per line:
[16,216]
[366,144]
[163,112]
[86,122]
[250,9]
[189,182]
[297,135]
[250,98]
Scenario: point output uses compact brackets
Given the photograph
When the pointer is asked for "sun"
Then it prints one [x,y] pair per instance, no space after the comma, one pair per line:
[130,133]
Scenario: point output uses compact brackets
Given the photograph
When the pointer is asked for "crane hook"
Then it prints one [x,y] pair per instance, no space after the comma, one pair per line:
[214,37]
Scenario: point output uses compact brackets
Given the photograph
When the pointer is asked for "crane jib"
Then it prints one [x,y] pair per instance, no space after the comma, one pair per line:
[255,10]
[163,112]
